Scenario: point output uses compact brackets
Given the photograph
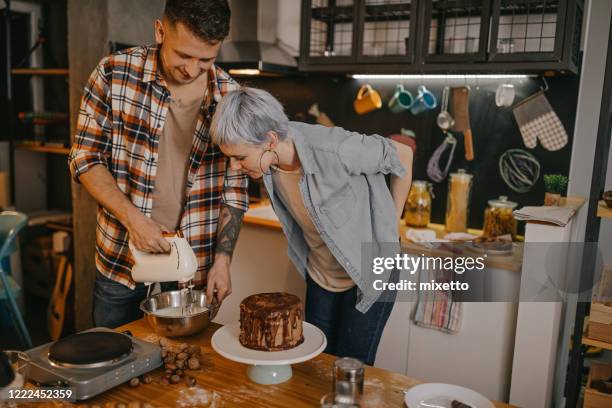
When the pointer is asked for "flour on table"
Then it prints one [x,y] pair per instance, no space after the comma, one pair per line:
[151,338]
[321,368]
[198,397]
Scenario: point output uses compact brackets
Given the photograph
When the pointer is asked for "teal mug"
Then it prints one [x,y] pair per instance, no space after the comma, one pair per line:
[401,100]
[425,100]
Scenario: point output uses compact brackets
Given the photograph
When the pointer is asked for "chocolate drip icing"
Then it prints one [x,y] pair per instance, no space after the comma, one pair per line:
[271,321]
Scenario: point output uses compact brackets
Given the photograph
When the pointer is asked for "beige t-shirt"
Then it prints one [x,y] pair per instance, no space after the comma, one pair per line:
[172,166]
[323,268]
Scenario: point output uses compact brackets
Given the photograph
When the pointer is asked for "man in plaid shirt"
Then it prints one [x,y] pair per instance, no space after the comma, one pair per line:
[143,151]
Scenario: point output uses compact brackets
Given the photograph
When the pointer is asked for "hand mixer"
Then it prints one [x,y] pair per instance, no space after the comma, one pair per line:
[180,264]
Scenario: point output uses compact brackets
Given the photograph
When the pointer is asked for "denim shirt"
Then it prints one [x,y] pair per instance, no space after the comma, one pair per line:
[344,191]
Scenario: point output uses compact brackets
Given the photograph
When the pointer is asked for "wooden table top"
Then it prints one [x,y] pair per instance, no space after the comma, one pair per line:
[224,383]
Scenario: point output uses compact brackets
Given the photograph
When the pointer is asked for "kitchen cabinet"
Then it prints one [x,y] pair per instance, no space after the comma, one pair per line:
[340,32]
[543,30]
[455,31]
[375,36]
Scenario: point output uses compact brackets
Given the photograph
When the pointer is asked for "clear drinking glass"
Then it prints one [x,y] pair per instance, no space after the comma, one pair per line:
[334,400]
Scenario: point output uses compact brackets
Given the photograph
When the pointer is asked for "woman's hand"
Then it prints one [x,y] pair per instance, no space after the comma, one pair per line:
[219,281]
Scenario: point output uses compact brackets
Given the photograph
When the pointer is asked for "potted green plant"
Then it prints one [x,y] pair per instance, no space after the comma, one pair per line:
[555,185]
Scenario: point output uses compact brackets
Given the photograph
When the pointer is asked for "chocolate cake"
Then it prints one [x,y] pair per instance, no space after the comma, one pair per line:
[271,321]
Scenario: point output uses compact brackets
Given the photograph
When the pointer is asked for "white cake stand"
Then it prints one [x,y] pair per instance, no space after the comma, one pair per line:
[268,367]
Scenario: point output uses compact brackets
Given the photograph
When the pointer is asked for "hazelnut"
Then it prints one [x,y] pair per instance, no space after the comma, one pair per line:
[175,379]
[134,382]
[146,379]
[164,353]
[171,366]
[181,356]
[183,346]
[194,363]
[163,342]
[179,372]
[164,381]
[180,363]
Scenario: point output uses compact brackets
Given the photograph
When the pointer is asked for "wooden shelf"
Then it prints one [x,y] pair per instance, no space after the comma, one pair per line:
[44,149]
[596,343]
[39,71]
[603,211]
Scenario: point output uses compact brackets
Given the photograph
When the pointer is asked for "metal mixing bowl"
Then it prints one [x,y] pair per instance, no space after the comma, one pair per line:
[177,326]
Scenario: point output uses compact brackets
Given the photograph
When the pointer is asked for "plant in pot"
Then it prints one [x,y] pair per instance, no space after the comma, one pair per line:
[555,185]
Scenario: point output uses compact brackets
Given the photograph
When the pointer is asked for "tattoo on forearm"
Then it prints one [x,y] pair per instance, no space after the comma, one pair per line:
[230,221]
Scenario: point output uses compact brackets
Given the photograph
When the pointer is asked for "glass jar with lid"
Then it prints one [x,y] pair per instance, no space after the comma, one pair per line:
[499,218]
[418,205]
[458,201]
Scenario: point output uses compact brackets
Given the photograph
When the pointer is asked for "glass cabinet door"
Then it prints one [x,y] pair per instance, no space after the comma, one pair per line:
[388,30]
[330,36]
[528,30]
[456,30]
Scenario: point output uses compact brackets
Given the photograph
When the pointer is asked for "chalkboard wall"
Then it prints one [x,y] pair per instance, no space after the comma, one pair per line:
[494,129]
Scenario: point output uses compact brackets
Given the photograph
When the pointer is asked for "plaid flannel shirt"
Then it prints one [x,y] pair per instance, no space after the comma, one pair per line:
[121,119]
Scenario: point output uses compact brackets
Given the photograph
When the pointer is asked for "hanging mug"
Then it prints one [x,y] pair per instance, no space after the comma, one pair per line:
[504,95]
[367,100]
[401,100]
[425,100]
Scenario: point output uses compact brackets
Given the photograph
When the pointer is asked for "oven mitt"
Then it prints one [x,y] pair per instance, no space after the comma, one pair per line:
[538,121]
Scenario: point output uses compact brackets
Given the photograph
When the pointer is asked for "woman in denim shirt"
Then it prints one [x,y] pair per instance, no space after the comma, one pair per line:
[328,189]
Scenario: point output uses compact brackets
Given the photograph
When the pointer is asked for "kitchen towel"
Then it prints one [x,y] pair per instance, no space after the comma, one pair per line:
[538,121]
[556,215]
[437,309]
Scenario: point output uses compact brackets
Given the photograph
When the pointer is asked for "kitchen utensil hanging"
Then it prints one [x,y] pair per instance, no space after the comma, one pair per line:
[433,166]
[519,169]
[538,121]
[459,103]
[444,120]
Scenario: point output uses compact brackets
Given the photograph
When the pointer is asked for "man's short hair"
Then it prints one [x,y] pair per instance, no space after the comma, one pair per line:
[207,19]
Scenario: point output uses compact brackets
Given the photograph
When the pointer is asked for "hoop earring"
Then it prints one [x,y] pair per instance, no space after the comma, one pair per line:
[261,157]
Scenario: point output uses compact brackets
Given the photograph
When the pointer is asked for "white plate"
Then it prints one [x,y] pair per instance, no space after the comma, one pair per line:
[225,342]
[437,395]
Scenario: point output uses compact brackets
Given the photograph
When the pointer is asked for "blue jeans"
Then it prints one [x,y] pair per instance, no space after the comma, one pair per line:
[349,332]
[115,304]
